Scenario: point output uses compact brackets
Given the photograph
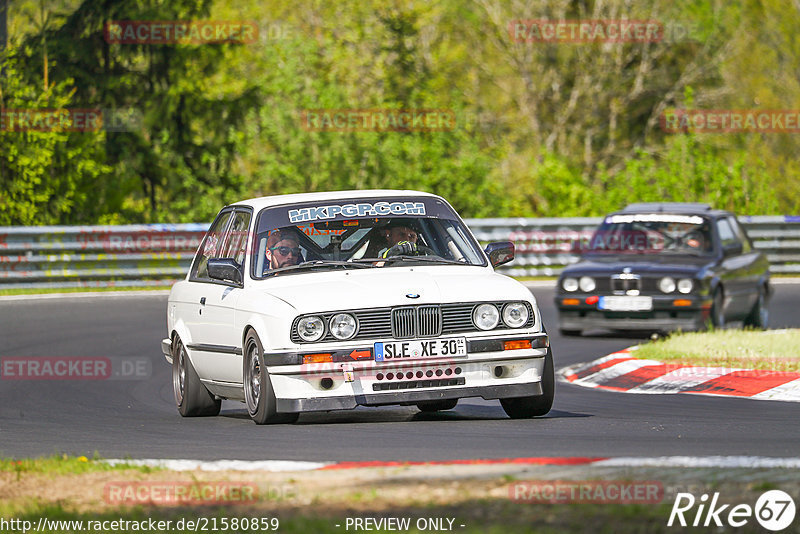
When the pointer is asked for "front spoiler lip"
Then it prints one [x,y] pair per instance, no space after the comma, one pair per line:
[627,323]
[321,404]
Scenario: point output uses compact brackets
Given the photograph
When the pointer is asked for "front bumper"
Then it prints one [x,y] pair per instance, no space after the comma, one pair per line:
[665,315]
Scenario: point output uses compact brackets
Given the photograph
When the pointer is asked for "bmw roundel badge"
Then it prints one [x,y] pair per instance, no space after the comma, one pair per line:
[412,295]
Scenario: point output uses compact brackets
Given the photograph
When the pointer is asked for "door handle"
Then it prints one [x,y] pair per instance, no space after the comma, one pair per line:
[202,301]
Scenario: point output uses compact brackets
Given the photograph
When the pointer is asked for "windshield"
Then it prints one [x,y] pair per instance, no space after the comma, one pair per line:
[361,233]
[656,233]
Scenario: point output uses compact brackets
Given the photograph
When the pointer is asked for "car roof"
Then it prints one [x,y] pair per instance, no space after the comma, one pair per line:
[326,196]
[685,208]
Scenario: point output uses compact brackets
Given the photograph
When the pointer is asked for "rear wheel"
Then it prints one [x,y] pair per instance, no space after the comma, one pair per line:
[191,396]
[537,405]
[759,315]
[437,406]
[258,392]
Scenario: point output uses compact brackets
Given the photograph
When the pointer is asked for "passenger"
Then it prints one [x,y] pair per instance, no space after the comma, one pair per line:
[401,238]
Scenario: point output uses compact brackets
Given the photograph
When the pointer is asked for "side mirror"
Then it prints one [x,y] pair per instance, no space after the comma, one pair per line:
[225,269]
[500,252]
[732,249]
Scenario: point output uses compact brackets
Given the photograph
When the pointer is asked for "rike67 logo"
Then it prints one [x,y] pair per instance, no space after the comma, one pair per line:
[774,510]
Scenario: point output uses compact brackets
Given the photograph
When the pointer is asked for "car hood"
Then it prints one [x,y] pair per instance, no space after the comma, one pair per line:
[640,264]
[395,286]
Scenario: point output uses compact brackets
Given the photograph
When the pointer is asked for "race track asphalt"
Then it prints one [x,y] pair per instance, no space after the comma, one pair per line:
[138,419]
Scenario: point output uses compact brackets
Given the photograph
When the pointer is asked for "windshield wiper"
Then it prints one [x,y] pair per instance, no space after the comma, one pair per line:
[316,264]
[405,257]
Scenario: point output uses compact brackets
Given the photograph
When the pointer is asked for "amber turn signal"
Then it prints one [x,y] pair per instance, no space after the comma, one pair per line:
[517,344]
[317,358]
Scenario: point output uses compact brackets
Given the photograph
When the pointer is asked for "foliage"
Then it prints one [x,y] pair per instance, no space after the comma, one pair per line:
[543,129]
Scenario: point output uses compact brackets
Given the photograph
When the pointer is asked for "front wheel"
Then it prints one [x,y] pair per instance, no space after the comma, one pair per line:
[437,406]
[191,396]
[536,405]
[718,309]
[258,392]
[759,315]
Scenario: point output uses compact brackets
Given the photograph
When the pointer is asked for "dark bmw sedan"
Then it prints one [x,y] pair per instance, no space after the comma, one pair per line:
[665,266]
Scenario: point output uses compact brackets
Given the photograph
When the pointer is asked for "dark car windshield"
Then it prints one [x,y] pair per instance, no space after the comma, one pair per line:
[655,233]
[360,233]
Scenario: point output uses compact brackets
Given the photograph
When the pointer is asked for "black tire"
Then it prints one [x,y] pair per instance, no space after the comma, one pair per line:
[537,405]
[568,332]
[191,396]
[258,392]
[437,406]
[717,309]
[759,315]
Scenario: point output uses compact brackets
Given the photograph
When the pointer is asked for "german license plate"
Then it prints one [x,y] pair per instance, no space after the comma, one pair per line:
[625,303]
[418,349]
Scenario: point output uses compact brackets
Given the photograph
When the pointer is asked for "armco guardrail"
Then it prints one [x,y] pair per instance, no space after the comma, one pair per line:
[159,254]
[97,256]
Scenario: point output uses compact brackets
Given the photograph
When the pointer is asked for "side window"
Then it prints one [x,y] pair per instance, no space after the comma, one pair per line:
[726,235]
[740,235]
[234,244]
[208,247]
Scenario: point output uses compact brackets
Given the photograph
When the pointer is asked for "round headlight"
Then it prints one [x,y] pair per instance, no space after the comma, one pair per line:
[587,284]
[311,328]
[666,284]
[486,316]
[569,284]
[515,314]
[343,326]
[685,285]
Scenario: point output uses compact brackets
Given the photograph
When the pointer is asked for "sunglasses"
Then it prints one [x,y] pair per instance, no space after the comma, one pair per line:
[285,251]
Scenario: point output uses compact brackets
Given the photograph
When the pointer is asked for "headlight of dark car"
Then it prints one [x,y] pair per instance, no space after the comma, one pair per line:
[685,285]
[570,284]
[587,284]
[666,284]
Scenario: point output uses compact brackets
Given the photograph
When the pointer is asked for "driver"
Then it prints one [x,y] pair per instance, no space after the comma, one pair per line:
[401,238]
[283,249]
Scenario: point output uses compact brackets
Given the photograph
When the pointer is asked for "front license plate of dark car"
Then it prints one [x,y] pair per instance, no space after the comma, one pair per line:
[420,349]
[625,303]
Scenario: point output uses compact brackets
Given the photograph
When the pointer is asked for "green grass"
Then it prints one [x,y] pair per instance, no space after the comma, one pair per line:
[774,350]
[48,291]
[64,464]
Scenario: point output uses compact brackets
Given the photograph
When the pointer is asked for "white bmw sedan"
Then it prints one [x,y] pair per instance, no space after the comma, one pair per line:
[328,301]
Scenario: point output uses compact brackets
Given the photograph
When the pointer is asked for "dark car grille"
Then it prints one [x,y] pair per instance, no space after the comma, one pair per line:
[624,283]
[410,322]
